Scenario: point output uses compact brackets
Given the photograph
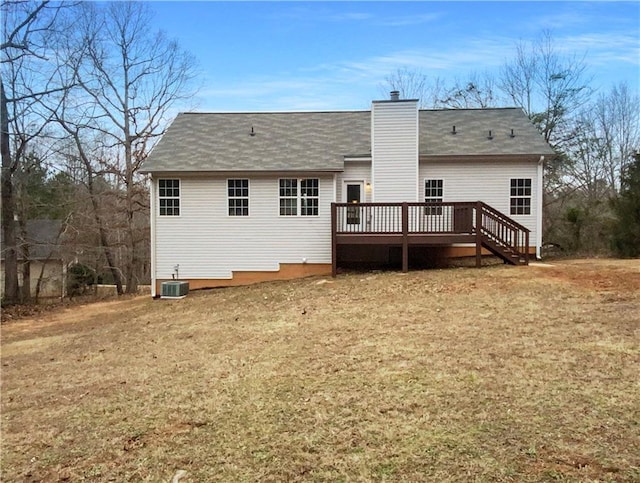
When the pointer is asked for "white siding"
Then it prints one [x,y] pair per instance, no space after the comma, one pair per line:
[486,181]
[394,140]
[207,243]
[354,171]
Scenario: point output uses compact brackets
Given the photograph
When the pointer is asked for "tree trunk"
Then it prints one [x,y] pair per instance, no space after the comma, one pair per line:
[132,256]
[104,241]
[25,293]
[9,251]
[43,266]
[132,270]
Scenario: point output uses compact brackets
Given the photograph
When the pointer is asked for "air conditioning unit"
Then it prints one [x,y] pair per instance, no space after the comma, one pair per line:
[174,290]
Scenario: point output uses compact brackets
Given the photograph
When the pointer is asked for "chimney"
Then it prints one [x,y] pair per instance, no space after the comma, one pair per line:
[395,95]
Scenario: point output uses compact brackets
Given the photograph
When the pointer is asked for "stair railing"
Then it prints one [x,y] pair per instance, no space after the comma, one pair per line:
[503,231]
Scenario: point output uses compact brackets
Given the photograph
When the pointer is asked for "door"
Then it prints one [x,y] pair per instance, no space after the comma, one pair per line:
[463,219]
[353,191]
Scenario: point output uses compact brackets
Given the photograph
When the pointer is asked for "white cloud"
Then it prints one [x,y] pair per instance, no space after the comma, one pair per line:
[409,20]
[353,83]
[348,16]
[602,49]
[475,55]
[347,84]
[319,14]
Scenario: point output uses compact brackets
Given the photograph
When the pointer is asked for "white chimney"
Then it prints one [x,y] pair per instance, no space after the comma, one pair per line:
[394,150]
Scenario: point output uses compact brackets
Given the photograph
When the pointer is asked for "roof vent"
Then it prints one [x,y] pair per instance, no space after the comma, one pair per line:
[395,95]
[454,130]
[512,135]
[490,136]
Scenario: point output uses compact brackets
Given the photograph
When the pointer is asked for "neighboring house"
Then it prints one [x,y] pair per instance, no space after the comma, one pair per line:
[244,197]
[42,246]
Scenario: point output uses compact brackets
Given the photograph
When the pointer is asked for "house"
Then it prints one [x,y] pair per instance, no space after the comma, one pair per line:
[41,246]
[251,196]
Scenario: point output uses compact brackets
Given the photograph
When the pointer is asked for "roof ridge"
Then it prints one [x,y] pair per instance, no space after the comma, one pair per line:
[339,111]
[275,112]
[448,109]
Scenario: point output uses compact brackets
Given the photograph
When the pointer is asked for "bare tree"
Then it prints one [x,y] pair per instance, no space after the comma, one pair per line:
[600,143]
[86,156]
[130,79]
[414,84]
[476,91]
[585,169]
[27,80]
[617,121]
[548,86]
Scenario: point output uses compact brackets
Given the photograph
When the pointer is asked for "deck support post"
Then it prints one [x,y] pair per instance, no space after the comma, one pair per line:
[478,234]
[334,244]
[405,237]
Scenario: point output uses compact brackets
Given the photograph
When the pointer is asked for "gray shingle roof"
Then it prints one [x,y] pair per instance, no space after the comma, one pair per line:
[43,238]
[472,132]
[318,141]
[286,141]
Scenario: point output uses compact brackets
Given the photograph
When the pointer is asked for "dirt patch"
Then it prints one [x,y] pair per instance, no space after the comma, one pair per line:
[58,318]
[602,275]
[498,374]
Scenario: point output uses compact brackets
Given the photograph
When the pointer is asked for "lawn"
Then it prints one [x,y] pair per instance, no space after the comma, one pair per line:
[497,374]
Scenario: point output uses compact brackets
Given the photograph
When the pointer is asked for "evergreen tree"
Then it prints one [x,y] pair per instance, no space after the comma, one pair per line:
[626,232]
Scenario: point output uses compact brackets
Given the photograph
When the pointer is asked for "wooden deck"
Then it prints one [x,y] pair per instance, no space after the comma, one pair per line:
[428,224]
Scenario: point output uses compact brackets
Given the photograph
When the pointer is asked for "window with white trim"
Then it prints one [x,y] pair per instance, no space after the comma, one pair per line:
[238,197]
[433,193]
[520,200]
[288,197]
[299,196]
[309,196]
[169,197]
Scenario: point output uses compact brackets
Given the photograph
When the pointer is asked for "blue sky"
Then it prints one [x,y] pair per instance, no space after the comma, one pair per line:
[258,56]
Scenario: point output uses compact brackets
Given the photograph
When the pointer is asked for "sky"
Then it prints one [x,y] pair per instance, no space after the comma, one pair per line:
[285,56]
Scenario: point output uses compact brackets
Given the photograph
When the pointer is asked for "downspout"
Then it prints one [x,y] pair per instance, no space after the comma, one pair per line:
[540,203]
[372,171]
[417,197]
[152,223]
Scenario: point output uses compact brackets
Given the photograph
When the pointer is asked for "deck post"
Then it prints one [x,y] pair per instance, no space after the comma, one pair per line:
[334,244]
[478,234]
[526,247]
[405,237]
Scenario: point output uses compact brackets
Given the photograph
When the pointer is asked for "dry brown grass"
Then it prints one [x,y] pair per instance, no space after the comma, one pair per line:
[499,374]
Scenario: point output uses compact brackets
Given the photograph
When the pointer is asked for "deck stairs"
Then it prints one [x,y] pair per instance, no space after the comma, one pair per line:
[502,236]
[430,224]
[504,252]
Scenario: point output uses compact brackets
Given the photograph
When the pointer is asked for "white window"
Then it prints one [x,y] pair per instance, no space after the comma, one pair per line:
[433,193]
[520,200]
[299,196]
[169,197]
[238,197]
[309,196]
[288,197]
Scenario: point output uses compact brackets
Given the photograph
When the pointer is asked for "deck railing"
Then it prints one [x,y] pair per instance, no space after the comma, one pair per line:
[491,228]
[499,228]
[386,218]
